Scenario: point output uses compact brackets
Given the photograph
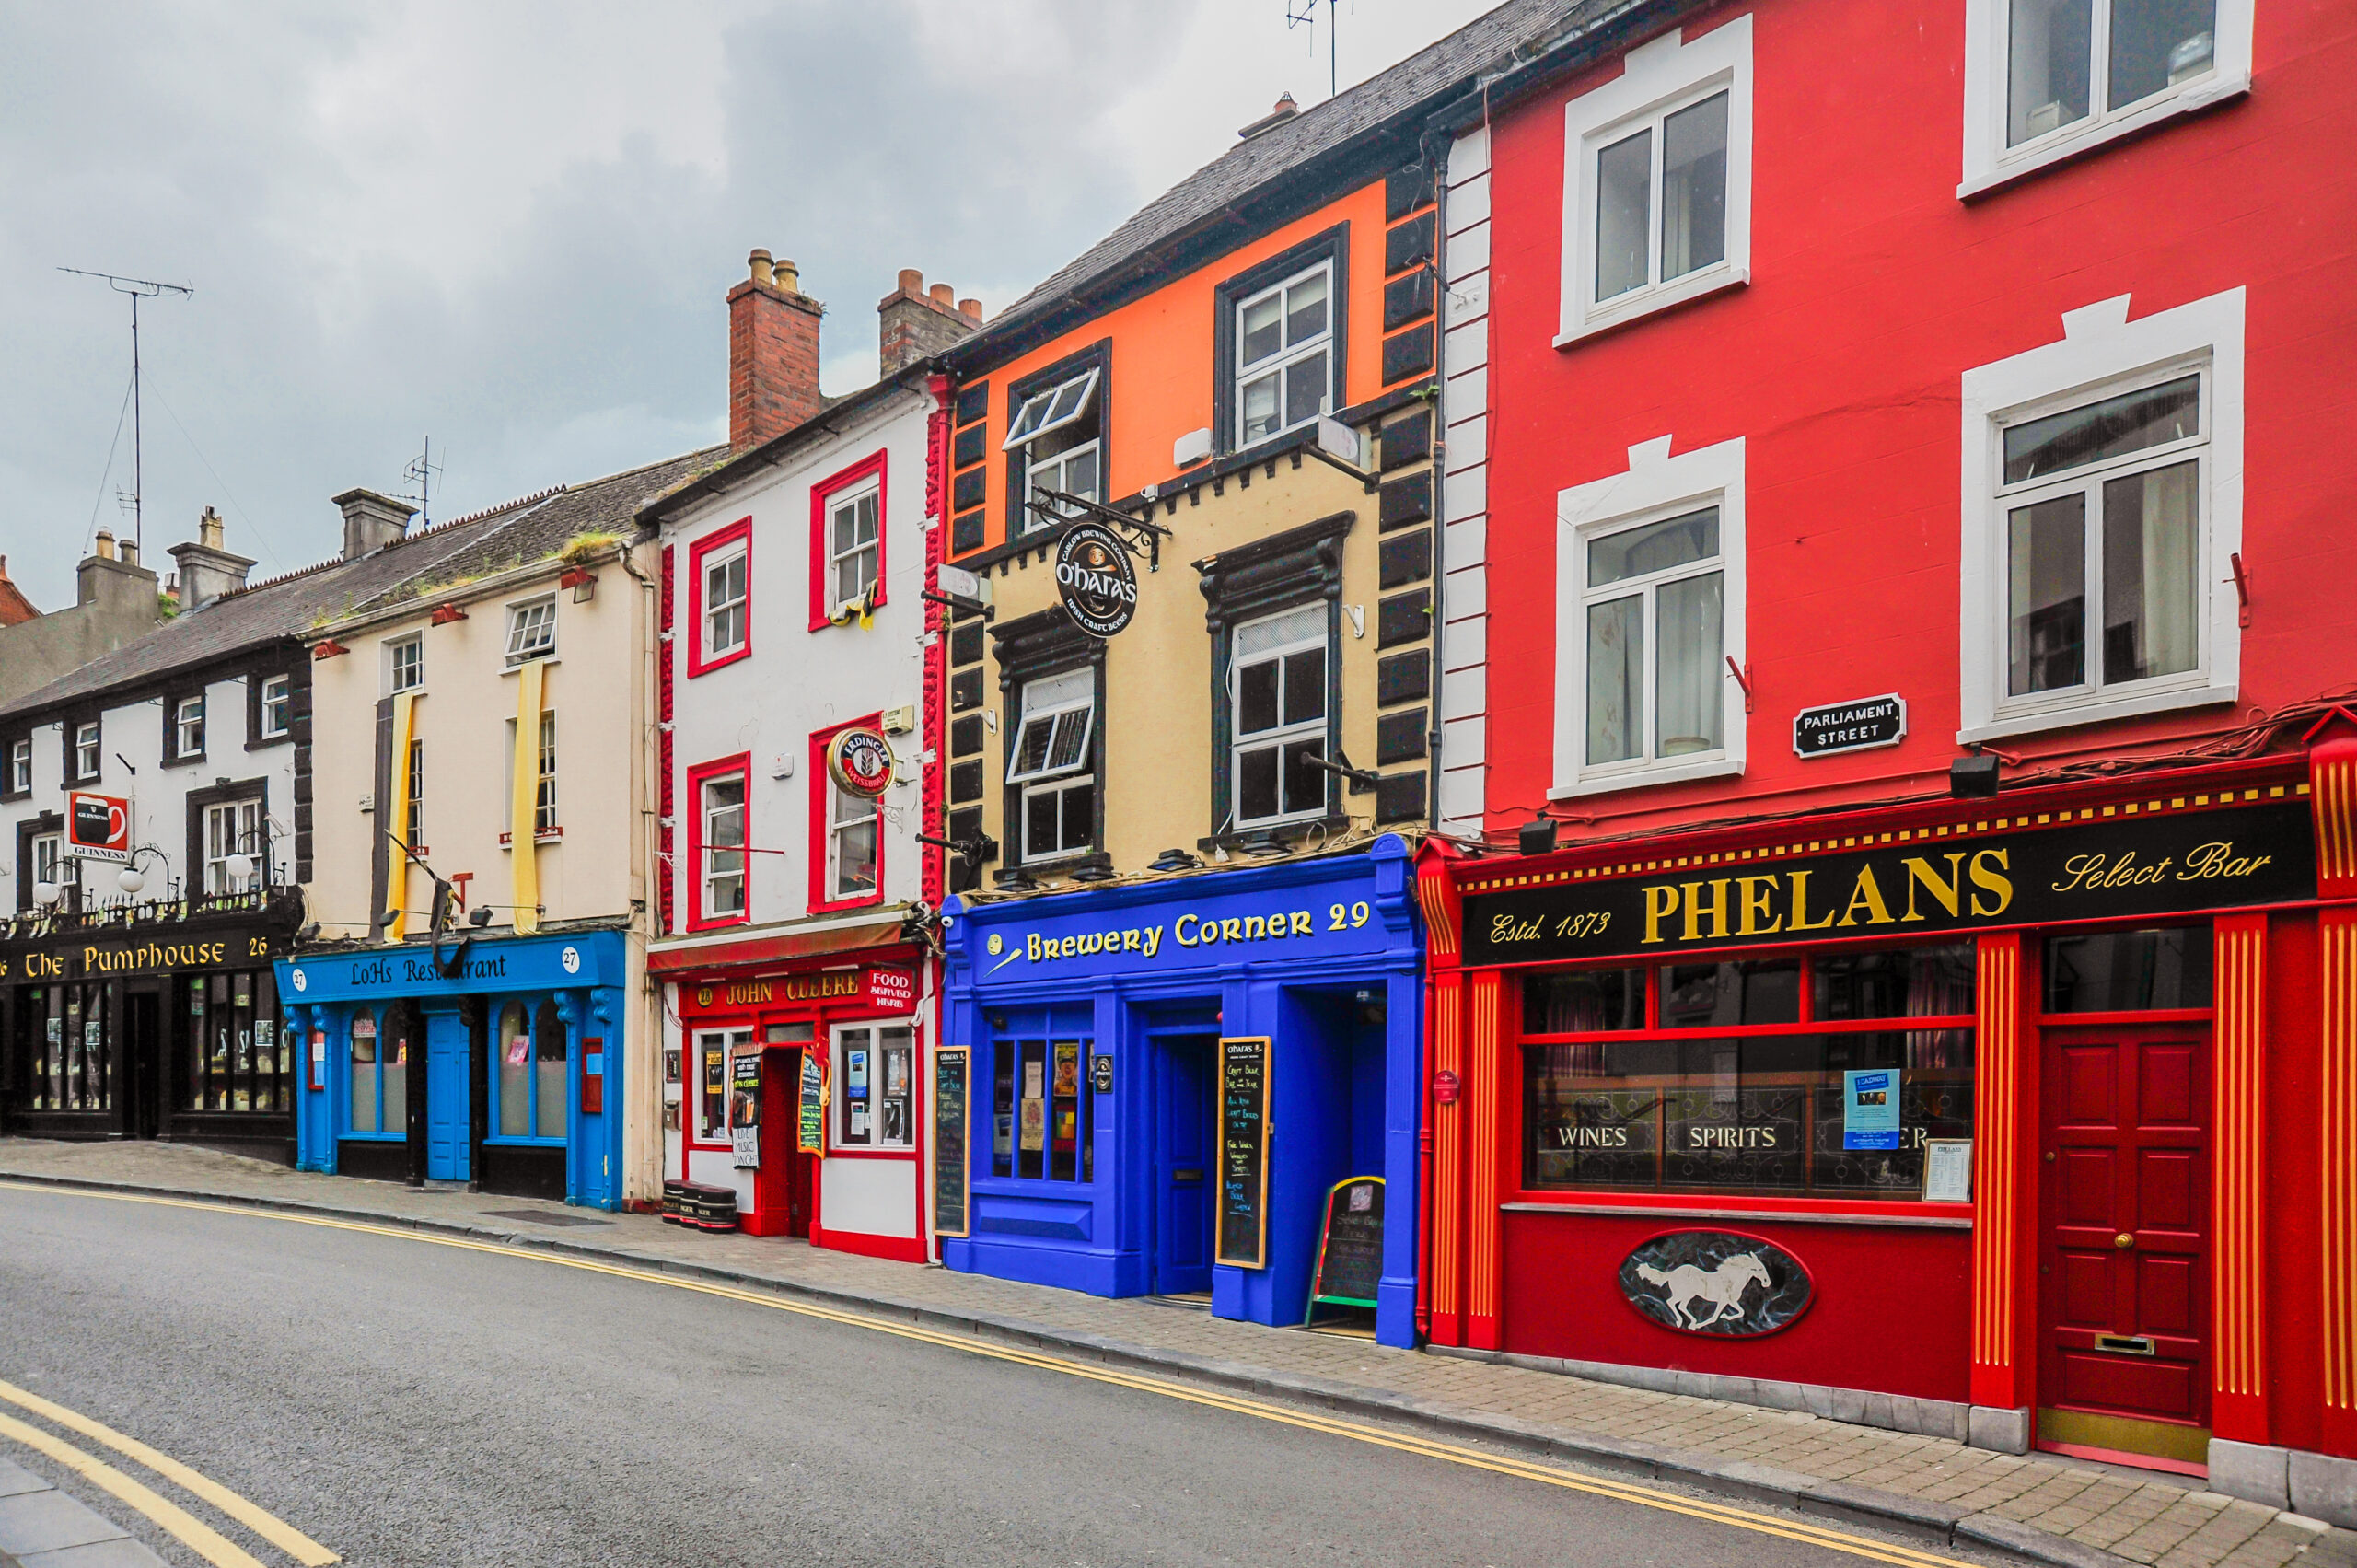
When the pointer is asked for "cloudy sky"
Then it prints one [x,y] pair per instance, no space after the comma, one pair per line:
[511,227]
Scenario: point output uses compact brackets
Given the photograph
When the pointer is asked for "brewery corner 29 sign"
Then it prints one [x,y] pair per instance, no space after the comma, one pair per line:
[1095,579]
[2084,864]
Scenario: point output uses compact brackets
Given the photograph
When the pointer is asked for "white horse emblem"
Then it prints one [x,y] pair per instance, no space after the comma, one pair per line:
[1722,1288]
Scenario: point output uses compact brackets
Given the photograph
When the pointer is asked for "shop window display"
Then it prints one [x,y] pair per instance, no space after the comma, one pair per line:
[237,1061]
[1039,1117]
[72,1046]
[1740,1078]
[876,1075]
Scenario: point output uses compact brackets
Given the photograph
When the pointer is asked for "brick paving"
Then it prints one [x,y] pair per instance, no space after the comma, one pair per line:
[2070,1506]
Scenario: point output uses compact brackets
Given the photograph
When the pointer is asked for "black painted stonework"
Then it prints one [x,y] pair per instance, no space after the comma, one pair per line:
[970,446]
[1399,798]
[1707,1281]
[1400,738]
[966,690]
[1408,298]
[964,782]
[1404,678]
[1407,440]
[1405,190]
[1408,354]
[1408,499]
[966,644]
[966,736]
[1407,558]
[967,489]
[1405,618]
[1407,244]
[966,533]
[973,402]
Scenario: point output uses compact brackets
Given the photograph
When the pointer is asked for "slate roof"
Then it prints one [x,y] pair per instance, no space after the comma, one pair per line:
[299,604]
[1400,94]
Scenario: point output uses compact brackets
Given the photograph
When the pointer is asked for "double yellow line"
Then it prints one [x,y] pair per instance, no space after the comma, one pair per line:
[1720,1514]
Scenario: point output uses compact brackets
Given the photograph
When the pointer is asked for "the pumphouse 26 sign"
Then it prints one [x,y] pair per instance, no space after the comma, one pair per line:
[2007,872]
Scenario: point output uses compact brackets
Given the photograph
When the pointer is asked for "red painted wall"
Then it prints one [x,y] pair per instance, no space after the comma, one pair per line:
[1873,289]
[1892,1312]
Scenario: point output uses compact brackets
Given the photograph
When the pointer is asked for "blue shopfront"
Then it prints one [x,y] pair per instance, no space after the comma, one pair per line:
[1097,1023]
[495,1065]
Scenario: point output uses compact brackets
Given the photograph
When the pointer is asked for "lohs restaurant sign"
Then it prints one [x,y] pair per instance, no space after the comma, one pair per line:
[1095,579]
[1850,726]
[2007,872]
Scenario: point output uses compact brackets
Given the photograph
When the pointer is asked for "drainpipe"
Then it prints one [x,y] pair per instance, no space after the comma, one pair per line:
[1435,146]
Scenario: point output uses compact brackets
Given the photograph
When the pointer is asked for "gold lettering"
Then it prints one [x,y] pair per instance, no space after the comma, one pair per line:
[2211,861]
[1995,883]
[1231,929]
[1801,921]
[1869,894]
[1302,925]
[1755,893]
[1179,930]
[1661,901]
[1153,940]
[1920,874]
[1255,928]
[1716,911]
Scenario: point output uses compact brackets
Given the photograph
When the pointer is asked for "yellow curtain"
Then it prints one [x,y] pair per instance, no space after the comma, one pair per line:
[397,823]
[523,855]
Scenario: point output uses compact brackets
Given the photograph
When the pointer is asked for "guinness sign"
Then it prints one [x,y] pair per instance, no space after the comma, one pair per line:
[1095,579]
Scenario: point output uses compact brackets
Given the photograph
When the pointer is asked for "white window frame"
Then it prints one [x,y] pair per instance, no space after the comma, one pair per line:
[733,1043]
[1068,692]
[544,816]
[706,848]
[1657,78]
[20,766]
[244,829]
[88,743]
[1287,355]
[737,554]
[1656,486]
[1048,422]
[523,617]
[869,1037]
[847,809]
[276,706]
[1321,726]
[2101,354]
[404,664]
[848,499]
[188,727]
[414,827]
[49,856]
[1989,163]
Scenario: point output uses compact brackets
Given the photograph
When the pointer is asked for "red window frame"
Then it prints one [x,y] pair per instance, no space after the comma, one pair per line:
[741,530]
[741,763]
[873,466]
[822,790]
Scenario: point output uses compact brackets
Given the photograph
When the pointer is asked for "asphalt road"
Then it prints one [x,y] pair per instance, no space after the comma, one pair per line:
[406,1404]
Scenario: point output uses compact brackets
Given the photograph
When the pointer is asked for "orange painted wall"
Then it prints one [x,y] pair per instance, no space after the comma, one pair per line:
[1162,353]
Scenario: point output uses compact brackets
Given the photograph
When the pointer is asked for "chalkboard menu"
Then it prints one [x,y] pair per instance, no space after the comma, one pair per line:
[1244,1153]
[1350,1243]
[950,1174]
[811,1106]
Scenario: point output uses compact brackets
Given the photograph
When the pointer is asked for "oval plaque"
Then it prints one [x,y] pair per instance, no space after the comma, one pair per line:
[1714,1282]
[1095,579]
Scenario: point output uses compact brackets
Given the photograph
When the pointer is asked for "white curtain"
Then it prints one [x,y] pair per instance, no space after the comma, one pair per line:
[1688,626]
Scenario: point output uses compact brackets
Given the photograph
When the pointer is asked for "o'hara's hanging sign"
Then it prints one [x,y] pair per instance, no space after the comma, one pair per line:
[1093,577]
[1850,726]
[2146,857]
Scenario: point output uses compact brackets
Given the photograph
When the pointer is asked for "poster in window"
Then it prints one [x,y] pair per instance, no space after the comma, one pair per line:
[1947,1170]
[1067,1068]
[745,1110]
[1870,1108]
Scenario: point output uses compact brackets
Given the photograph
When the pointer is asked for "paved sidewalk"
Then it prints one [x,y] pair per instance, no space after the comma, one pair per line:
[42,1528]
[2043,1506]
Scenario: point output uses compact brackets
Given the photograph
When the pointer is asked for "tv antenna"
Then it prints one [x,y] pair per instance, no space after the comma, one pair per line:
[138,289]
[420,474]
[1301,13]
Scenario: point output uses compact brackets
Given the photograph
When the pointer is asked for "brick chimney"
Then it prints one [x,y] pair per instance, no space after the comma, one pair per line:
[207,570]
[773,353]
[914,324]
[371,521]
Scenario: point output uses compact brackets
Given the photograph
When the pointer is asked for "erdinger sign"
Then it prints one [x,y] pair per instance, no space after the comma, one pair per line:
[1094,580]
[860,760]
[98,827]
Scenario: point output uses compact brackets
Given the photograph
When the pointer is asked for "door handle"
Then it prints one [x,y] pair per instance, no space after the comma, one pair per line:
[2124,1239]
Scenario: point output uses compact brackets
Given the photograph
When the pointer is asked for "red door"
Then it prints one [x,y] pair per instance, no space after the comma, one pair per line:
[781,1183]
[2124,1259]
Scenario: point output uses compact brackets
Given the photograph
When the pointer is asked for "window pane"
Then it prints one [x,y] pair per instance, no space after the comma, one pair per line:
[855,858]
[1306,310]
[1064,1119]
[1256,697]
[1039,833]
[1305,390]
[548,1053]
[1910,982]
[1623,214]
[364,1073]
[1764,990]
[1263,328]
[1305,785]
[1256,785]
[1616,677]
[2047,570]
[1303,625]
[898,1086]
[2052,41]
[2112,428]
[1688,623]
[1031,745]
[1261,408]
[514,1074]
[396,1050]
[2113,972]
[1694,187]
[1656,547]
[1079,806]
[2158,44]
[1584,1001]
[1305,686]
[1071,740]
[1080,475]
[2151,542]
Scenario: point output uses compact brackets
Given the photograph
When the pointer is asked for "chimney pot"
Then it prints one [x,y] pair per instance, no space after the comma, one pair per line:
[787,276]
[208,530]
[970,309]
[208,571]
[945,297]
[764,273]
[912,281]
[106,544]
[912,323]
[128,552]
[772,354]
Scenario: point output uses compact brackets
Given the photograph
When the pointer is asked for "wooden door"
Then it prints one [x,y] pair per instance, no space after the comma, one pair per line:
[2124,1255]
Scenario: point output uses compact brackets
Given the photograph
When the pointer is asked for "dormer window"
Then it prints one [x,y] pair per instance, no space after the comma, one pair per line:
[531,631]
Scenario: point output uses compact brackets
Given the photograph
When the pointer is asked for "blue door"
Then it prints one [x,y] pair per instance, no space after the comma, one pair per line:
[447,1111]
[1182,1162]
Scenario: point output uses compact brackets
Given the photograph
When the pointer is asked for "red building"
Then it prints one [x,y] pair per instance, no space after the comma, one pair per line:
[1896,954]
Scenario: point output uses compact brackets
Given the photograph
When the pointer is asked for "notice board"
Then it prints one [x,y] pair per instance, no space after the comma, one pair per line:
[1244,1153]
[810,1105]
[951,1176]
[1350,1243]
